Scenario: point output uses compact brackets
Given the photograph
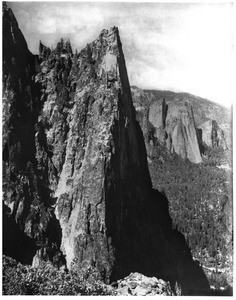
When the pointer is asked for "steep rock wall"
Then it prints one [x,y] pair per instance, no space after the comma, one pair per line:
[210,120]
[84,157]
[175,127]
[212,135]
[29,220]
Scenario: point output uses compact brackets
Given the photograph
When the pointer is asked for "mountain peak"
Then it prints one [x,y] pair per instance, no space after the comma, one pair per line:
[44,51]
[76,179]
[8,14]
[63,47]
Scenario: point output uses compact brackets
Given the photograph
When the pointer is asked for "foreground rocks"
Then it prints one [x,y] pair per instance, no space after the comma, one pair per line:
[137,284]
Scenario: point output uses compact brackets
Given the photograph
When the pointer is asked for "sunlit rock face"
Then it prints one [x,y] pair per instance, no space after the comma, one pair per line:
[76,181]
[175,127]
[212,135]
[182,122]
[171,123]
[100,152]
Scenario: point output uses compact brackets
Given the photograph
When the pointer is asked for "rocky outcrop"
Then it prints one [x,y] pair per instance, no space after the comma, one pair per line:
[72,146]
[175,128]
[29,220]
[203,109]
[44,51]
[187,120]
[137,284]
[171,125]
[212,135]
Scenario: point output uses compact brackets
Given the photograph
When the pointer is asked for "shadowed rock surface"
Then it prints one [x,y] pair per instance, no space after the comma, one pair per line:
[75,173]
[25,164]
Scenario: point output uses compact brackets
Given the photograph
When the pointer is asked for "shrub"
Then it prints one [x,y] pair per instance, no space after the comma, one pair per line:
[48,280]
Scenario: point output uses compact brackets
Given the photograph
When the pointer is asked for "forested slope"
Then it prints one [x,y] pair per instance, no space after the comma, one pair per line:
[200,205]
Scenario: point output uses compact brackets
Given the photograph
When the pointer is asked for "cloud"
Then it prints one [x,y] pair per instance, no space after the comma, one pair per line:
[181,47]
[46,25]
[68,22]
[192,52]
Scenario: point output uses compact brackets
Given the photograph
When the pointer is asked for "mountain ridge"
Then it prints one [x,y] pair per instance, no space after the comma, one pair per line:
[171,92]
[149,104]
[158,94]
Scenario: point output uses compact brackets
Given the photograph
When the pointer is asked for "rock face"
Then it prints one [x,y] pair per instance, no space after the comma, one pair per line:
[172,125]
[175,127]
[29,221]
[212,135]
[75,175]
[101,149]
[181,122]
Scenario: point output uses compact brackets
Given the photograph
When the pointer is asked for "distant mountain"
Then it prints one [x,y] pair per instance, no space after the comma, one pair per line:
[184,116]
[203,109]
[212,135]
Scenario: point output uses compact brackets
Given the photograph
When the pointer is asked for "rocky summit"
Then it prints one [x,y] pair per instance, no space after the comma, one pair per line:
[76,185]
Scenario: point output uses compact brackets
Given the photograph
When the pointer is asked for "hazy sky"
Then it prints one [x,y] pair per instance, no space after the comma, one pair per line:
[176,46]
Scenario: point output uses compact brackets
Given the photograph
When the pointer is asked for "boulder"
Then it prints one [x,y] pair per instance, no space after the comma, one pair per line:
[137,284]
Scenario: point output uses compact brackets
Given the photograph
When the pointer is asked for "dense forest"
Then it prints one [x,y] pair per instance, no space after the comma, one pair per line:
[199,203]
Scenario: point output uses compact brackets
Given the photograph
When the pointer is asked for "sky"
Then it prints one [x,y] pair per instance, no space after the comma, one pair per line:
[182,47]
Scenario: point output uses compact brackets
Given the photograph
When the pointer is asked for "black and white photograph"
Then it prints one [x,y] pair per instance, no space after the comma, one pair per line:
[117,148]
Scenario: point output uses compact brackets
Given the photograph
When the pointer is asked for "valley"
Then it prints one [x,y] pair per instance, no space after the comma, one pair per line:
[199,194]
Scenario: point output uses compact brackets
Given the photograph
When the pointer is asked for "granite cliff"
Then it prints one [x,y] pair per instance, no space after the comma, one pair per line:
[183,123]
[212,135]
[175,127]
[76,185]
[29,220]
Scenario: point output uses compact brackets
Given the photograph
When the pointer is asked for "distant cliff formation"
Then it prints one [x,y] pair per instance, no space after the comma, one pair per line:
[181,122]
[76,185]
[212,135]
[175,127]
